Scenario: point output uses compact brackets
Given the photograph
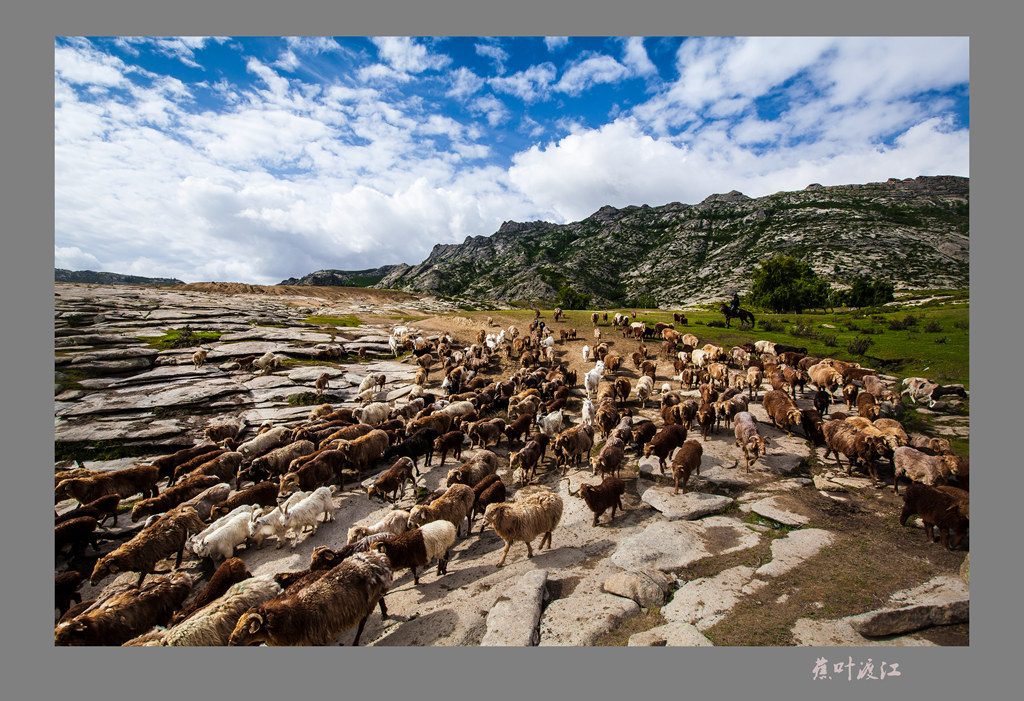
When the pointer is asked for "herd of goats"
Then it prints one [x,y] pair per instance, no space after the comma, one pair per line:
[287,477]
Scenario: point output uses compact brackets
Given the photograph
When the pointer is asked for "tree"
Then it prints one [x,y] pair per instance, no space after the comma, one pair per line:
[568,298]
[785,284]
[867,293]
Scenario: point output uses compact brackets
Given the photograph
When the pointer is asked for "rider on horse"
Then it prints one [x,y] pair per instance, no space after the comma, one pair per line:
[735,304]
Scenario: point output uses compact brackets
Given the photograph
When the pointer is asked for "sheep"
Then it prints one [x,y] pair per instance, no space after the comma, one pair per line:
[599,497]
[65,589]
[482,432]
[263,443]
[453,506]
[127,614]
[221,432]
[392,480]
[781,410]
[519,429]
[642,434]
[525,519]
[664,442]
[195,463]
[707,417]
[419,443]
[364,450]
[936,509]
[345,433]
[748,438]
[319,411]
[319,612]
[394,522]
[260,494]
[449,442]
[190,487]
[307,512]
[439,422]
[101,509]
[418,547]
[526,459]
[893,429]
[76,532]
[489,490]
[214,623]
[570,444]
[374,413]
[473,470]
[644,389]
[686,462]
[812,423]
[825,377]
[919,467]
[230,572]
[225,539]
[610,458]
[938,446]
[552,423]
[125,483]
[324,469]
[167,463]
[843,437]
[155,542]
[199,357]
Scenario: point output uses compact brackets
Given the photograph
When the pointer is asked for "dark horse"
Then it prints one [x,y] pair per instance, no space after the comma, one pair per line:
[742,314]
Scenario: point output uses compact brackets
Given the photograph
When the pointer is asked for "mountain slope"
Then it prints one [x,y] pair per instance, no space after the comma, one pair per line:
[102,278]
[342,278]
[914,232]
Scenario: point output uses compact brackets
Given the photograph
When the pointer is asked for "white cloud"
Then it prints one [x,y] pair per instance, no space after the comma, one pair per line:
[495,53]
[74,258]
[590,71]
[287,61]
[490,106]
[529,85]
[380,72]
[406,56]
[464,83]
[634,56]
[86,66]
[555,43]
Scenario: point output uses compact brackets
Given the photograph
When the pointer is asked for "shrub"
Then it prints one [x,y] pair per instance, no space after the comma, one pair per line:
[933,327]
[961,324]
[942,339]
[867,293]
[568,298]
[804,331]
[307,399]
[830,341]
[909,321]
[716,323]
[859,345]
[769,325]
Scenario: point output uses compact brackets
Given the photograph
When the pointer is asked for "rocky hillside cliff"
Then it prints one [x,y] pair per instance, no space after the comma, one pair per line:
[100,278]
[342,278]
[914,232]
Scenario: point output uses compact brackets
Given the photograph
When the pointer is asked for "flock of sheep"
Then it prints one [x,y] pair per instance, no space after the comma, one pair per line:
[286,478]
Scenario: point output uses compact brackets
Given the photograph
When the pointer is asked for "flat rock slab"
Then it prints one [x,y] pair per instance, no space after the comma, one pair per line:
[645,586]
[311,373]
[703,602]
[729,477]
[792,550]
[671,635]
[671,545]
[243,348]
[513,619]
[183,394]
[819,633]
[788,485]
[118,430]
[936,590]
[273,333]
[770,508]
[580,620]
[689,506]
[112,367]
[825,483]
[875,624]
[115,354]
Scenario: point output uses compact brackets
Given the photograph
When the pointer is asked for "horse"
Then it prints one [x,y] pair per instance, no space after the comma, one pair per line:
[742,314]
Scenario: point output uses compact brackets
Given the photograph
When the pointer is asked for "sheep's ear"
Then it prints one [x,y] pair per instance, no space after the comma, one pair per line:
[255,623]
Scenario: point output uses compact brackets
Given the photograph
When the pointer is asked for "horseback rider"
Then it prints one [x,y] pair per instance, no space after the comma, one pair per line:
[735,304]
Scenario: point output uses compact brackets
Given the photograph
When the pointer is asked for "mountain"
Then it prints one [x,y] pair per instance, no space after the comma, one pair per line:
[93,277]
[342,278]
[914,232]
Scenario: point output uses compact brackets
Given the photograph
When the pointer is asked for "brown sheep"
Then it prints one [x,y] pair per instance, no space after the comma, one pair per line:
[843,437]
[570,444]
[323,470]
[642,434]
[781,410]
[686,462]
[489,490]
[345,433]
[916,466]
[170,498]
[610,458]
[231,571]
[526,459]
[319,612]
[937,509]
[664,442]
[65,589]
[748,438]
[519,429]
[359,453]
[194,463]
[440,422]
[481,433]
[707,417]
[600,497]
[128,614]
[76,532]
[525,519]
[393,480]
[473,470]
[449,442]
[454,505]
[867,405]
[167,463]
[125,483]
[261,493]
[101,509]
[155,542]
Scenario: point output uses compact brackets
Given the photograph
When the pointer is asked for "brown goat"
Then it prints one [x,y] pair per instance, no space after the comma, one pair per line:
[686,462]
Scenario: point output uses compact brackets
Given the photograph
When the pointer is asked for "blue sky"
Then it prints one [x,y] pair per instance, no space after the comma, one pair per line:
[255,159]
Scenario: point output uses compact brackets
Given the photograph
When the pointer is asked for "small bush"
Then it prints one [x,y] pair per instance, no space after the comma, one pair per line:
[859,345]
[804,331]
[961,324]
[769,325]
[716,323]
[933,327]
[942,339]
[897,324]
[830,341]
[307,399]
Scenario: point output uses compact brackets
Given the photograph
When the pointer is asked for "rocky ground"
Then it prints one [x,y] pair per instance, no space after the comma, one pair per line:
[792,553]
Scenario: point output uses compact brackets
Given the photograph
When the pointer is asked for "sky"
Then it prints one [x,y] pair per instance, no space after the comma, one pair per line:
[255,159]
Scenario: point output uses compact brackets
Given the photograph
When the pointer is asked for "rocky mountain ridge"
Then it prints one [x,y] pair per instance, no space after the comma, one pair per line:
[914,232]
[104,278]
[342,278]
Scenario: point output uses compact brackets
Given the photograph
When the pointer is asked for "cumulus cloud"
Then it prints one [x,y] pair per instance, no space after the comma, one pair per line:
[490,106]
[495,53]
[555,43]
[528,85]
[464,83]
[634,56]
[405,55]
[590,71]
[74,258]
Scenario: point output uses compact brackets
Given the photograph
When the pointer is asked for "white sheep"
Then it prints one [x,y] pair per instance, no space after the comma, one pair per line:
[375,413]
[592,380]
[644,389]
[267,362]
[589,412]
[264,442]
[270,521]
[586,354]
[244,508]
[525,519]
[552,424]
[395,522]
[307,512]
[225,539]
